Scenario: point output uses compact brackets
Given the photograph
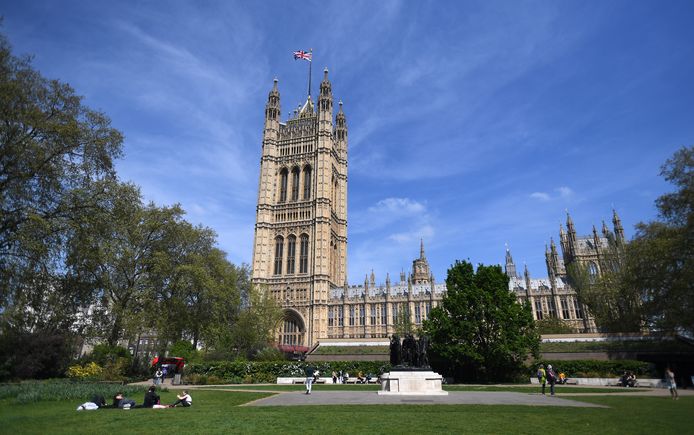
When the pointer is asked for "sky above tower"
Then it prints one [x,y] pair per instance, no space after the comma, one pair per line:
[471,124]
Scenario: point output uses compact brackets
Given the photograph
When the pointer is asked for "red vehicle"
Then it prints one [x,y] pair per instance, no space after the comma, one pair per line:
[173,364]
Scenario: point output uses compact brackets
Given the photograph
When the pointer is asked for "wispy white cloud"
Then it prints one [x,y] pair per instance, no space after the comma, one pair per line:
[562,192]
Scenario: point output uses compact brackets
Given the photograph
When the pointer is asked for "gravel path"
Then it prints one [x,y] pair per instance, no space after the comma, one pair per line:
[453,398]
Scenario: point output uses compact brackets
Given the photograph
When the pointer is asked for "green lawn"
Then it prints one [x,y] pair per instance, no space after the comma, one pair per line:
[618,346]
[217,412]
[375,387]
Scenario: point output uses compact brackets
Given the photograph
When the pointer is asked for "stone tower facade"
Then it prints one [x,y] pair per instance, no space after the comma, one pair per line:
[300,246]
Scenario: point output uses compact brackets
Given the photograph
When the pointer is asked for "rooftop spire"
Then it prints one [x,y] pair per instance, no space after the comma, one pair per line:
[421,248]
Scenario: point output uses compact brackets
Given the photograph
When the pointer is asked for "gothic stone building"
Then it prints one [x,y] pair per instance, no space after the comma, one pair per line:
[300,246]
[553,297]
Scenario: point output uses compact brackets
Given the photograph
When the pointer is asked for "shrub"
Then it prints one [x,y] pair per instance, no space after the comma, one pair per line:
[597,368]
[90,370]
[269,371]
[35,355]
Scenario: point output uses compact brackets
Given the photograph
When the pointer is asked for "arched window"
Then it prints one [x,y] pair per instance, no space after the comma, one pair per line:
[292,330]
[283,184]
[592,271]
[279,246]
[291,254]
[295,184]
[303,254]
[307,182]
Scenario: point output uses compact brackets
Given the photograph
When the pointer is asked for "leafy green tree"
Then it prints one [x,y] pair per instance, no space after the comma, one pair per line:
[553,325]
[244,332]
[661,255]
[480,332]
[611,298]
[52,149]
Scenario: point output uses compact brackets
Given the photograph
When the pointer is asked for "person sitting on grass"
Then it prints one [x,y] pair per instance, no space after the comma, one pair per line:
[360,377]
[152,399]
[183,399]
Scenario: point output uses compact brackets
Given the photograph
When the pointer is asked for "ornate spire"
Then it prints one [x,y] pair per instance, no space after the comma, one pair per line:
[421,249]
[569,223]
[340,124]
[618,229]
[272,108]
[510,267]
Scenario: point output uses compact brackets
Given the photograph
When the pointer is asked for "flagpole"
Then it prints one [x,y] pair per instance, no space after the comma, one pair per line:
[310,62]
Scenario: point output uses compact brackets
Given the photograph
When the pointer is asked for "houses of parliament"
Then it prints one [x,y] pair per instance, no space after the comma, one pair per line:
[300,243]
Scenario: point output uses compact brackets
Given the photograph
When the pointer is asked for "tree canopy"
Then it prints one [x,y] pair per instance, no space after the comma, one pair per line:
[647,282]
[661,257]
[81,254]
[480,332]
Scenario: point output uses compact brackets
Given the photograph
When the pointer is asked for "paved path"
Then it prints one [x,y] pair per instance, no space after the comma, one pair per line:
[453,398]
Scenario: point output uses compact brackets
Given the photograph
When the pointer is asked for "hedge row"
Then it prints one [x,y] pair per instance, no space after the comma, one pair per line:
[251,372]
[597,368]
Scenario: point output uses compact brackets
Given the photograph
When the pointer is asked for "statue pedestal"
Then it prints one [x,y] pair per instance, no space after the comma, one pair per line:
[412,382]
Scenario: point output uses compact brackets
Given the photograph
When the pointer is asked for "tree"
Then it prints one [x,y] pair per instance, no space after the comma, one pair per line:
[53,149]
[553,325]
[247,331]
[480,332]
[661,256]
[611,297]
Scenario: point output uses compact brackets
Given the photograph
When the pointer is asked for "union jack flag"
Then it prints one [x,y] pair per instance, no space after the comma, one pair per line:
[301,54]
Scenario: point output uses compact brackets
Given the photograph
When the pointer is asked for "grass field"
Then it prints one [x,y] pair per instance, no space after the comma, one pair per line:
[218,412]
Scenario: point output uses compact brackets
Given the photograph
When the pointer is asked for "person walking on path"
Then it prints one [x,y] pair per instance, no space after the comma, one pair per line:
[542,377]
[671,384]
[157,377]
[309,378]
[334,377]
[551,378]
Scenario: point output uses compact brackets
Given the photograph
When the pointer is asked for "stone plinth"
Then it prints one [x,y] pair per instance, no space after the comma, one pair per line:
[412,382]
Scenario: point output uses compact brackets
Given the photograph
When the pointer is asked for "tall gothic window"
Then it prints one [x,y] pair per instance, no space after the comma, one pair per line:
[384,314]
[284,174]
[552,307]
[592,271]
[578,309]
[417,313]
[427,308]
[307,182]
[292,331]
[351,315]
[279,245]
[362,315]
[395,314]
[291,254]
[373,314]
[303,254]
[340,316]
[295,184]
[564,308]
[538,309]
[331,316]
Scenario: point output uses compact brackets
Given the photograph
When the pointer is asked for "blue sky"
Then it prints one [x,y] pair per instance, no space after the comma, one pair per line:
[471,124]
